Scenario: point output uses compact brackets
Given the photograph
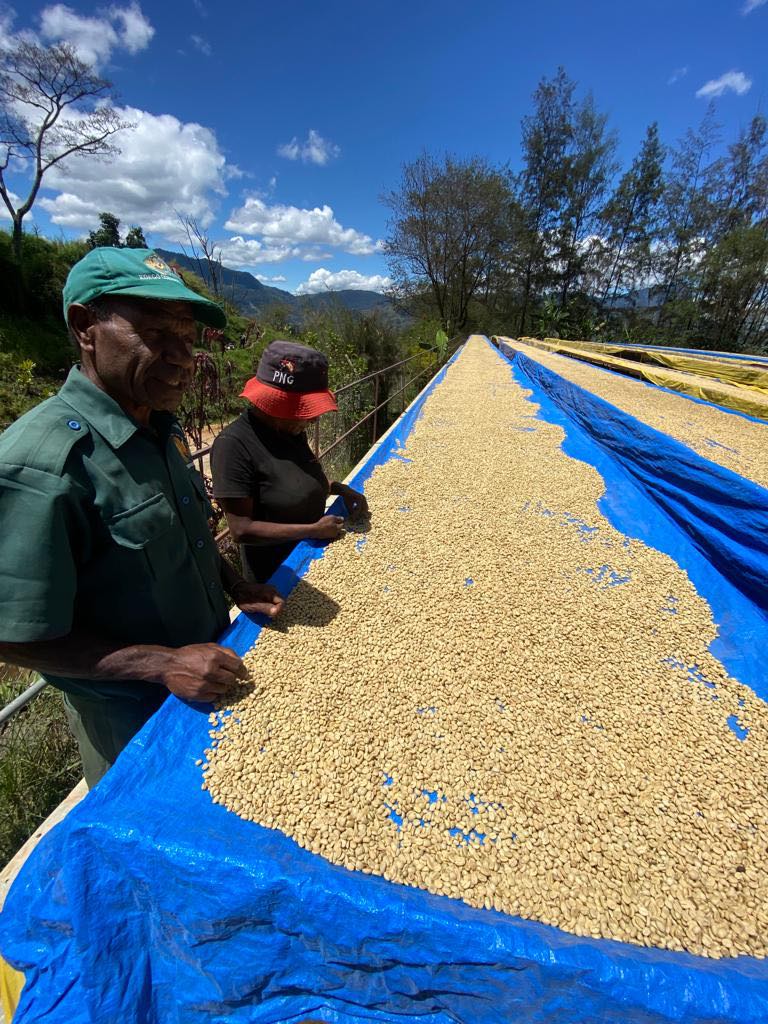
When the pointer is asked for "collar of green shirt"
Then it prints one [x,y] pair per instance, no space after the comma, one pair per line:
[102,413]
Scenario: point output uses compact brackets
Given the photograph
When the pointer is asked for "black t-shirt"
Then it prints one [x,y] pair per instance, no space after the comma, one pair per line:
[280,472]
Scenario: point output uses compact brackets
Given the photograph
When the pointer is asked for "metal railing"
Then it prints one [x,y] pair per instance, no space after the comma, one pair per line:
[21,701]
[375,380]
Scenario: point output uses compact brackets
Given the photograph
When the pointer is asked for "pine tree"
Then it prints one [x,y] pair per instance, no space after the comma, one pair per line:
[629,222]
[541,187]
[588,169]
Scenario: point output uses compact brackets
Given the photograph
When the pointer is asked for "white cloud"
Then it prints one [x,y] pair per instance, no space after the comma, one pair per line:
[752,5]
[676,75]
[290,225]
[323,280]
[7,18]
[277,279]
[164,166]
[731,81]
[201,44]
[200,8]
[314,150]
[241,253]
[136,30]
[94,38]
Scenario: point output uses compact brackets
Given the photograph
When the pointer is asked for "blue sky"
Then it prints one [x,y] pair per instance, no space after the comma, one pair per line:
[279,126]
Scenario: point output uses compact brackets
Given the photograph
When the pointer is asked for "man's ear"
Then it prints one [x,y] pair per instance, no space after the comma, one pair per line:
[80,321]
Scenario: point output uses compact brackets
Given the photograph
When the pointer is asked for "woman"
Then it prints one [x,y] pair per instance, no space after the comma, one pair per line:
[266,478]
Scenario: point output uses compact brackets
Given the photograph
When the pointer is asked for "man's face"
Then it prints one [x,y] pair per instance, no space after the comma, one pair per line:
[143,351]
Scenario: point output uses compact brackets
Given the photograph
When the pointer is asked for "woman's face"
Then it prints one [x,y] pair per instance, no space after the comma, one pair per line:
[287,426]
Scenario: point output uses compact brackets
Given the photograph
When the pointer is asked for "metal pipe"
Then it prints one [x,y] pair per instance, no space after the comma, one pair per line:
[375,373]
[22,700]
[371,413]
[375,411]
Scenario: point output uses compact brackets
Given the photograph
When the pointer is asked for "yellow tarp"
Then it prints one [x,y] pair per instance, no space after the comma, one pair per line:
[739,373]
[11,984]
[744,399]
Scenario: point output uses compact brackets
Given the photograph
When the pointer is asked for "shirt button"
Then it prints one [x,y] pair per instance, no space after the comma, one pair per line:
[199,543]
[185,500]
[73,424]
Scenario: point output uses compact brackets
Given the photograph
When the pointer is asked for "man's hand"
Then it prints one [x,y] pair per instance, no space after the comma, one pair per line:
[327,528]
[356,504]
[257,598]
[201,672]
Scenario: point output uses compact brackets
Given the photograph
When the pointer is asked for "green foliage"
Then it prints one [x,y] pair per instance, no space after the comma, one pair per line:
[108,234]
[39,762]
[135,238]
[552,320]
[21,387]
[439,347]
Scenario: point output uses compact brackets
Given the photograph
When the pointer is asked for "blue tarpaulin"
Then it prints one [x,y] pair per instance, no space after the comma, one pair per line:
[150,903]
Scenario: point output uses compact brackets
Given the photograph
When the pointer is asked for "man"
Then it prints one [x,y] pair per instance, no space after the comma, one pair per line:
[111,585]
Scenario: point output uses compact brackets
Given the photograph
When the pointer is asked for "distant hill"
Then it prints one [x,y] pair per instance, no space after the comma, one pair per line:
[251,297]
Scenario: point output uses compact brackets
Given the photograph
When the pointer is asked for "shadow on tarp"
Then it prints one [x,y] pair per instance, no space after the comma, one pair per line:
[150,904]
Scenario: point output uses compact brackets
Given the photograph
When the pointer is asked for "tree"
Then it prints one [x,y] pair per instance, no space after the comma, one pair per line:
[588,168]
[135,238]
[687,214]
[733,273]
[629,221]
[107,234]
[540,186]
[449,227]
[52,105]
[205,252]
[734,290]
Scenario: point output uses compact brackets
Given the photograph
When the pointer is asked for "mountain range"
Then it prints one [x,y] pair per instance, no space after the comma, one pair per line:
[252,298]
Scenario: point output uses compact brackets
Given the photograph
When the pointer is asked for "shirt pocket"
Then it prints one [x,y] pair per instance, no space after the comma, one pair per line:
[144,537]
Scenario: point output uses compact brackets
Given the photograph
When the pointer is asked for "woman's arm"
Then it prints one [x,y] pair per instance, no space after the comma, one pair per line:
[246,530]
[355,501]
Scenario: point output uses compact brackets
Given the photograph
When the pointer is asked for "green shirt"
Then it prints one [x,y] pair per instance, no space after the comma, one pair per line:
[103,529]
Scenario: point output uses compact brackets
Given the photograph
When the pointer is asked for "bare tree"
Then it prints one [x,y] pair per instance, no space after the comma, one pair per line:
[48,112]
[204,252]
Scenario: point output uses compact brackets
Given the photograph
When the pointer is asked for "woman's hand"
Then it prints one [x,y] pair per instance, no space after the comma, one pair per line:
[355,501]
[327,528]
[257,598]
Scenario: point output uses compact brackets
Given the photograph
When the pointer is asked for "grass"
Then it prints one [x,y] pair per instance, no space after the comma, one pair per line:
[39,761]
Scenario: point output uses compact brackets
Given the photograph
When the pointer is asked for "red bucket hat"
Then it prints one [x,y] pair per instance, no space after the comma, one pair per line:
[291,382]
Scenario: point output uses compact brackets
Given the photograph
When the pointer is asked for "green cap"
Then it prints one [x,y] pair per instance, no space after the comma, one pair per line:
[134,272]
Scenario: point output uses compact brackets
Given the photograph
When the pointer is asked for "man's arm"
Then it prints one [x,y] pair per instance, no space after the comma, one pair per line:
[38,590]
[254,598]
[199,672]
